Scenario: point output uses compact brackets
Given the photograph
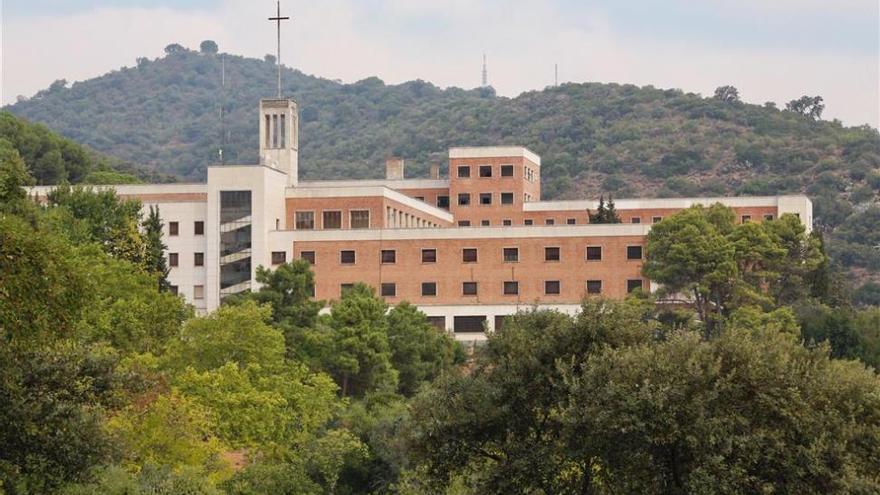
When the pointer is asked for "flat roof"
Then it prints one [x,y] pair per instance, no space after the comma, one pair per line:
[658,203]
[494,152]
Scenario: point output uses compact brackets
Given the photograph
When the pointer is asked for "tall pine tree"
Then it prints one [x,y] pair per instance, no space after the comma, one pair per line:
[155,255]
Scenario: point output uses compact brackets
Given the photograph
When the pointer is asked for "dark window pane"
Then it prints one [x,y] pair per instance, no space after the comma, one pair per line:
[429,288]
[484,223]
[511,288]
[464,199]
[634,252]
[485,198]
[442,201]
[332,220]
[198,259]
[635,220]
[279,257]
[468,324]
[389,290]
[308,256]
[551,254]
[347,257]
[594,286]
[511,254]
[507,222]
[549,221]
[634,284]
[304,220]
[464,223]
[429,255]
[199,228]
[173,228]
[389,256]
[438,322]
[551,287]
[172,259]
[469,255]
[506,198]
[469,288]
[594,253]
[528,221]
[485,171]
[571,221]
[507,171]
[499,322]
[464,172]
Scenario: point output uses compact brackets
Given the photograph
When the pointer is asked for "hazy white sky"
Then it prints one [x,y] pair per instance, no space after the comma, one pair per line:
[772,50]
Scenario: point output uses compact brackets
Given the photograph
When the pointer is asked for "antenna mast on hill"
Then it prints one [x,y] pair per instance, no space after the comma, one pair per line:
[278,20]
[485,72]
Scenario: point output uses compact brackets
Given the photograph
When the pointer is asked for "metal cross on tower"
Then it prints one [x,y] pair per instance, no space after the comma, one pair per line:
[278,20]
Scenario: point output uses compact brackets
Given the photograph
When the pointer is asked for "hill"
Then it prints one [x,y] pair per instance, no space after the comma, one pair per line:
[593,138]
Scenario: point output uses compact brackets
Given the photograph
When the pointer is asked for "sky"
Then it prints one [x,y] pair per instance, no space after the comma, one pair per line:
[771,50]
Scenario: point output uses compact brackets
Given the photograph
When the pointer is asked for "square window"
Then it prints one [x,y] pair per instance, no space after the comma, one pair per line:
[429,288]
[389,256]
[551,254]
[746,218]
[279,257]
[464,223]
[347,257]
[594,286]
[359,219]
[594,253]
[304,220]
[199,228]
[389,289]
[198,259]
[198,292]
[551,287]
[485,198]
[469,288]
[507,222]
[528,221]
[549,221]
[633,285]
[656,219]
[173,259]
[511,255]
[511,288]
[464,172]
[469,255]
[332,219]
[635,220]
[485,171]
[343,288]
[173,289]
[308,256]
[571,221]
[484,223]
[634,252]
[464,199]
[173,228]
[507,198]
[768,216]
[429,255]
[443,202]
[507,171]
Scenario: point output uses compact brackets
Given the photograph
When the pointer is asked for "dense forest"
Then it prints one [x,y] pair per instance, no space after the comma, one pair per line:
[164,115]
[111,385]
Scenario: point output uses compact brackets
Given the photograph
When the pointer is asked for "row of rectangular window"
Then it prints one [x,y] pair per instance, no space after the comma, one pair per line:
[470,255]
[484,171]
[464,199]
[331,219]
[509,287]
[174,228]
[198,291]
[174,259]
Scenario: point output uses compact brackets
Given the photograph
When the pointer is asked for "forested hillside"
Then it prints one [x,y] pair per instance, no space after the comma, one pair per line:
[618,139]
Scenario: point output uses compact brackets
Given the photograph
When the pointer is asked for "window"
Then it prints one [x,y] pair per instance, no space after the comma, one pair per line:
[511,288]
[507,222]
[438,322]
[635,220]
[464,199]
[172,259]
[308,256]
[464,223]
[507,198]
[429,288]
[464,172]
[199,228]
[469,288]
[346,257]
[507,171]
[304,220]
[551,254]
[594,253]
[173,228]
[429,255]
[389,256]
[389,289]
[551,287]
[485,171]
[443,202]
[549,221]
[768,216]
[278,257]
[594,286]
[485,198]
[198,259]
[173,289]
[746,218]
[469,255]
[656,219]
[499,322]
[484,223]
[359,219]
[343,288]
[528,221]
[420,198]
[634,252]
[468,324]
[632,285]
[571,221]
[332,219]
[198,292]
[511,255]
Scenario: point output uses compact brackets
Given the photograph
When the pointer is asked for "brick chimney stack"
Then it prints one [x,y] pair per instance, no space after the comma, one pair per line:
[435,171]
[394,168]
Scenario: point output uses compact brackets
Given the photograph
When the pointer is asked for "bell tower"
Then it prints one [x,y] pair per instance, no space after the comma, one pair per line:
[279,136]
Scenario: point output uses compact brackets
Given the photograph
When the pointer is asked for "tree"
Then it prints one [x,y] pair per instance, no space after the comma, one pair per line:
[727,94]
[155,249]
[605,212]
[269,59]
[13,179]
[809,106]
[208,47]
[174,48]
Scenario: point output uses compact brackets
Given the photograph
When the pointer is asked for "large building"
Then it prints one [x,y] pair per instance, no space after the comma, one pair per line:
[467,250]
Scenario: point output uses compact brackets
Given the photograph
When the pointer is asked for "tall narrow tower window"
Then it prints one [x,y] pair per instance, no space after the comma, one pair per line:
[275,131]
[282,135]
[268,130]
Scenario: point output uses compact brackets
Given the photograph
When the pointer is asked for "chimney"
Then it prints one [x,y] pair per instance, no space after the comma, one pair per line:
[394,168]
[435,170]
